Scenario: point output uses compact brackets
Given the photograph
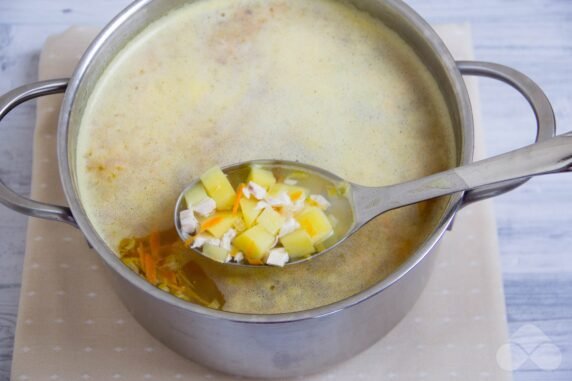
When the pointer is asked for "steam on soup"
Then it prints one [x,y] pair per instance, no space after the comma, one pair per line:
[219,82]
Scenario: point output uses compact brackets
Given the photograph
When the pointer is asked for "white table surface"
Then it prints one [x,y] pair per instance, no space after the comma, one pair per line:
[534,222]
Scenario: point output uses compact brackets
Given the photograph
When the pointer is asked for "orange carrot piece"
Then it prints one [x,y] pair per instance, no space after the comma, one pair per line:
[296,195]
[238,198]
[210,222]
[141,253]
[151,270]
[155,243]
[170,277]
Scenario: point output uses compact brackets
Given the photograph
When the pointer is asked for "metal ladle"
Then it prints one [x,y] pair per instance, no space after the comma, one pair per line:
[551,156]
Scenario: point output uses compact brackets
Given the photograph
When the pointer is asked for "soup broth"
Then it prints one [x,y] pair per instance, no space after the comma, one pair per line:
[219,82]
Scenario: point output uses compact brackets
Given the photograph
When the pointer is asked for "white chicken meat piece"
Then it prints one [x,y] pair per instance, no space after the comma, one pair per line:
[253,189]
[239,257]
[261,205]
[290,182]
[202,239]
[321,201]
[298,206]
[280,201]
[289,226]
[205,207]
[189,223]
[277,257]
[227,239]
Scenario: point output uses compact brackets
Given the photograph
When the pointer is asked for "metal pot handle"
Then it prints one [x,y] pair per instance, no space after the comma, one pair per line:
[543,112]
[7,196]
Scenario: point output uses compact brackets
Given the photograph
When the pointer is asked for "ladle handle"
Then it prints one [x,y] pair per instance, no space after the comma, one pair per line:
[550,156]
[541,107]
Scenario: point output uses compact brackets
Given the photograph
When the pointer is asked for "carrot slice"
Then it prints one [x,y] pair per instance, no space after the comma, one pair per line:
[155,243]
[296,195]
[210,222]
[151,270]
[141,253]
[238,198]
[147,265]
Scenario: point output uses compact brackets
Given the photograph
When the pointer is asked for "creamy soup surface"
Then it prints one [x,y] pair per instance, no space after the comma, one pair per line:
[218,82]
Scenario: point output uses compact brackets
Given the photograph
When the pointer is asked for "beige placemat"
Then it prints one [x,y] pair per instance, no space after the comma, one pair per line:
[71,326]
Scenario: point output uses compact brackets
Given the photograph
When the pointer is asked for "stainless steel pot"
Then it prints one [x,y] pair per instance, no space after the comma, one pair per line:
[289,344]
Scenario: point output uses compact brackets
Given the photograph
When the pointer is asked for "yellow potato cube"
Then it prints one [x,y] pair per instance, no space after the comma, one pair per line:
[195,195]
[214,252]
[249,211]
[271,220]
[254,243]
[261,177]
[218,224]
[298,244]
[295,192]
[219,188]
[315,222]
[298,175]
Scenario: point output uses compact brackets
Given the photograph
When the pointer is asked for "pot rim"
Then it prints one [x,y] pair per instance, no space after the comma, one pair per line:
[113,261]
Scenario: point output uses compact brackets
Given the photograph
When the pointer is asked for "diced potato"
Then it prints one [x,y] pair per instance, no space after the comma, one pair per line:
[249,211]
[298,175]
[295,192]
[219,188]
[214,252]
[195,195]
[218,224]
[234,250]
[271,220]
[298,244]
[254,243]
[315,222]
[262,177]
